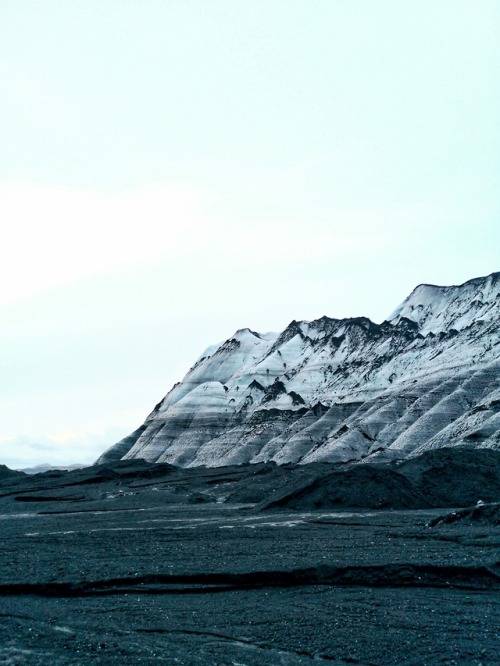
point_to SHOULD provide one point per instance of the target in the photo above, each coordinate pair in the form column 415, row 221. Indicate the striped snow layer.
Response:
column 338, row 390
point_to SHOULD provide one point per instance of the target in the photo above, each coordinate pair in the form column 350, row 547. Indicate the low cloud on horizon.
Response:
column 58, row 449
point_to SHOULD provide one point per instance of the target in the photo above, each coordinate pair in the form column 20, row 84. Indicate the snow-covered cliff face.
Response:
column 338, row 390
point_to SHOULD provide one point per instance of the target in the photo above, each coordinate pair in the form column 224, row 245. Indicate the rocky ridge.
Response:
column 337, row 390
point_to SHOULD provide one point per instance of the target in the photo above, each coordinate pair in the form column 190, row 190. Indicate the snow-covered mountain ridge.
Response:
column 339, row 389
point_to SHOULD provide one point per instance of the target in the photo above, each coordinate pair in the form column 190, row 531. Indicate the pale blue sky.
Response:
column 172, row 171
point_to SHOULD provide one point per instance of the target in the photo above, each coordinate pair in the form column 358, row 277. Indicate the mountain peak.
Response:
column 426, row 378
column 437, row 309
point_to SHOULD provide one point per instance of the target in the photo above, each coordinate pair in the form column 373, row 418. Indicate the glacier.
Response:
column 338, row 390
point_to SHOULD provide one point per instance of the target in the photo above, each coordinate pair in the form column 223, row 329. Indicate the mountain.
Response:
column 47, row 467
column 336, row 390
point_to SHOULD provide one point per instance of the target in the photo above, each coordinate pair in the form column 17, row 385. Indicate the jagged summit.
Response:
column 436, row 308
column 339, row 389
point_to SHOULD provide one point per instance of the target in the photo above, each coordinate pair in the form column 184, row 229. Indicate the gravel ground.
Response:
column 117, row 572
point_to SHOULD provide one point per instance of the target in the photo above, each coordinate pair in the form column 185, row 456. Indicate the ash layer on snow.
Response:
column 337, row 390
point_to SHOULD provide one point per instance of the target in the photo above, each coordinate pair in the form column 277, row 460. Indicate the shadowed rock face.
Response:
column 335, row 390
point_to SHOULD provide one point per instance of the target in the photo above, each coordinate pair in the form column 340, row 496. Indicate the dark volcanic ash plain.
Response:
column 135, row 563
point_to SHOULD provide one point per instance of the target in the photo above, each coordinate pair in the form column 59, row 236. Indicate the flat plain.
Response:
column 150, row 564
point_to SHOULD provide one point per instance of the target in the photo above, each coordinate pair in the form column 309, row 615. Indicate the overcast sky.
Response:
column 171, row 171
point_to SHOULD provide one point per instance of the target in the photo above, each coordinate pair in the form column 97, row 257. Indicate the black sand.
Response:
column 137, row 564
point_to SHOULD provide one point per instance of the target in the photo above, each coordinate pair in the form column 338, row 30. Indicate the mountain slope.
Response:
column 339, row 389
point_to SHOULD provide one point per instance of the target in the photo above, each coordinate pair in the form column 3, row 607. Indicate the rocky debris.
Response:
column 367, row 487
column 459, row 476
column 453, row 477
column 481, row 514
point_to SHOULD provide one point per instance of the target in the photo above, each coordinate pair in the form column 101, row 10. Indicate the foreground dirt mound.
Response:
column 453, row 477
column 368, row 487
column 456, row 476
column 482, row 514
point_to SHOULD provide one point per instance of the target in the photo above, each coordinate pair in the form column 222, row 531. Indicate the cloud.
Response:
column 55, row 236
column 51, row 236
column 62, row 448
